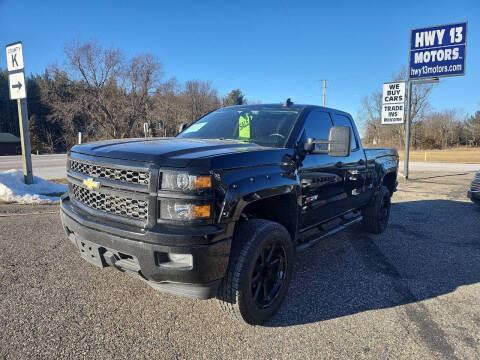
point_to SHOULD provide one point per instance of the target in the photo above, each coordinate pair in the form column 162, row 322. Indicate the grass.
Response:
column 455, row 155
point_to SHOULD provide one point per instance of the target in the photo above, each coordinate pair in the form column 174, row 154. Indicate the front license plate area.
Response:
column 90, row 252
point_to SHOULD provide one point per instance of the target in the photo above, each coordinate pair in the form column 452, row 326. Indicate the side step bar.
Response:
column 312, row 240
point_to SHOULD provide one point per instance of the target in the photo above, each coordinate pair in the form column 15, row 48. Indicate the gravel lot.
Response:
column 412, row 292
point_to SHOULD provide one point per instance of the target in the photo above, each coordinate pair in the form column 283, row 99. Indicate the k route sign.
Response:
column 14, row 56
column 438, row 51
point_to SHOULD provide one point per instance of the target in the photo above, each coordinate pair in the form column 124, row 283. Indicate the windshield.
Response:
column 263, row 126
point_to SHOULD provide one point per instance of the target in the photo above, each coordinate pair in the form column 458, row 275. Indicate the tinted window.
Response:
column 267, row 126
column 318, row 124
column 342, row 120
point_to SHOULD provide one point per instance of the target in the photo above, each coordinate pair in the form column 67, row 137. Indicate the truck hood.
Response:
column 182, row 152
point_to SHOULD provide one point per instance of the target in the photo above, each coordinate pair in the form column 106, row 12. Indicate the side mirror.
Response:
column 182, row 127
column 315, row 146
column 338, row 143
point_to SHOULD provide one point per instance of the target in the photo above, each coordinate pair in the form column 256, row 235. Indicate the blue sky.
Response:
column 271, row 50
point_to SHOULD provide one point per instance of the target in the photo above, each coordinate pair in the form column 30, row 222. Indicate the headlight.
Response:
column 177, row 181
column 172, row 209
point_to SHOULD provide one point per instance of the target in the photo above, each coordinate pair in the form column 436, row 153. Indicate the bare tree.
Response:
column 101, row 93
column 169, row 107
column 200, row 98
column 393, row 135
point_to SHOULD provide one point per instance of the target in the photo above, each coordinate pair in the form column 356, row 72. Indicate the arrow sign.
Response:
column 17, row 85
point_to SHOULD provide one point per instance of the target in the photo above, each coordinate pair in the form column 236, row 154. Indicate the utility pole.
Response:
column 324, row 89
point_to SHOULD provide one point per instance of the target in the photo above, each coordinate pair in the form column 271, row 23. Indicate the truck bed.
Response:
column 376, row 153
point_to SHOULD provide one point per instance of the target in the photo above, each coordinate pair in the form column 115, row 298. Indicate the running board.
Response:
column 312, row 240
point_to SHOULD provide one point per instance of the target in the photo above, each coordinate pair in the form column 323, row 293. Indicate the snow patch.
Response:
column 13, row 189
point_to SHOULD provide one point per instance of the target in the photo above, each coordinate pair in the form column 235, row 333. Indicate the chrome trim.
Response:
column 108, row 216
column 134, row 191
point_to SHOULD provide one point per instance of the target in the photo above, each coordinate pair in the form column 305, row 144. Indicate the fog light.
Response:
column 179, row 260
column 181, row 210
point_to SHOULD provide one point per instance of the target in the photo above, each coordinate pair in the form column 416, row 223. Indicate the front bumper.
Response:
column 141, row 252
column 474, row 196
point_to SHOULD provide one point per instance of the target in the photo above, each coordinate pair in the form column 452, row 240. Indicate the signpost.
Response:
column 17, row 87
column 437, row 51
column 393, row 103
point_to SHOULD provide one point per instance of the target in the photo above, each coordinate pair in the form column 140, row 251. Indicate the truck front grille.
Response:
column 112, row 204
column 104, row 172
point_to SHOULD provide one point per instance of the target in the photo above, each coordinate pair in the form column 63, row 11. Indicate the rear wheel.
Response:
column 259, row 271
column 377, row 214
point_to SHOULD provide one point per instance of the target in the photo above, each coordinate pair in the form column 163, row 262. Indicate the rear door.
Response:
column 354, row 166
column 321, row 179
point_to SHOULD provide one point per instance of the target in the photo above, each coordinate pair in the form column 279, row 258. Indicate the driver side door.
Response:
column 320, row 177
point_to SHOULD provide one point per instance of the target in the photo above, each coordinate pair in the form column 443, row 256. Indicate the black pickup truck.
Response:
column 222, row 209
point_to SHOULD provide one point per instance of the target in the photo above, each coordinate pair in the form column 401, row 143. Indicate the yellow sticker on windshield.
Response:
column 244, row 126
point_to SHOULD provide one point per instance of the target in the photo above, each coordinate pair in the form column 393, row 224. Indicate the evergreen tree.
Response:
column 235, row 97
column 35, row 135
column 473, row 126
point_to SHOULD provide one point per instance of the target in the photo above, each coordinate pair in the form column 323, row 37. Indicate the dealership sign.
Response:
column 393, row 103
column 438, row 51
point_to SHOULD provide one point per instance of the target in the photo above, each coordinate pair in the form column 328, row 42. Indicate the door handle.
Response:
column 339, row 164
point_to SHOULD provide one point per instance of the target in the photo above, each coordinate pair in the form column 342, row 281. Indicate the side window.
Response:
column 342, row 120
column 317, row 124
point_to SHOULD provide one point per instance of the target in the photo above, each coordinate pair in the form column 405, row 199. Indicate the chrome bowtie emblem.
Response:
column 91, row 184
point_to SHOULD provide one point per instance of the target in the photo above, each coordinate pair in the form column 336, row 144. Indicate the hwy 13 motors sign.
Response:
column 393, row 103
column 438, row 51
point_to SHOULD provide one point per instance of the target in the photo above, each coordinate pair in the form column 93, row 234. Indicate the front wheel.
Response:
column 259, row 271
column 377, row 214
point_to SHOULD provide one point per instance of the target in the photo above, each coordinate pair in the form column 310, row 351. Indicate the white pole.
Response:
column 79, row 138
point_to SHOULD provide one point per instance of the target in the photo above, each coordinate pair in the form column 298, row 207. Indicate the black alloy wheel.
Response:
column 268, row 274
column 384, row 212
column 259, row 271
column 377, row 213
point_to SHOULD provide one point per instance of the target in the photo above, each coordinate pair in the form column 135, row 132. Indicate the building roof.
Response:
column 8, row 138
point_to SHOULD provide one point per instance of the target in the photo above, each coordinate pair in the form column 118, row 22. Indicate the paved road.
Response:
column 412, row 292
column 439, row 167
column 45, row 166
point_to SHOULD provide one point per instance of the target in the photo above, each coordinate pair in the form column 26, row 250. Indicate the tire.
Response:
column 242, row 292
column 377, row 213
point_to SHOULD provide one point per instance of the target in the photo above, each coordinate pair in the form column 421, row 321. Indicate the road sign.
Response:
column 14, row 56
column 438, row 51
column 18, row 91
column 17, row 85
column 393, row 103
